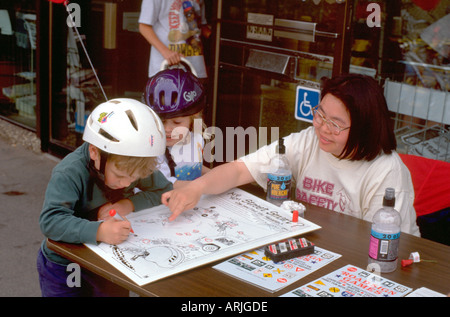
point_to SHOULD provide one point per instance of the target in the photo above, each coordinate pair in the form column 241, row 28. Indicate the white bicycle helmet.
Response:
column 126, row 127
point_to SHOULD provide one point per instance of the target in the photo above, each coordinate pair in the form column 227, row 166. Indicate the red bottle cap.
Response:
column 295, row 216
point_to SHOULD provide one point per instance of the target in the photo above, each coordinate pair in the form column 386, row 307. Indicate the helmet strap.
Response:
column 98, row 176
column 103, row 159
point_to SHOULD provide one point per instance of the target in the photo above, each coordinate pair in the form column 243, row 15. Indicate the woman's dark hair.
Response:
column 371, row 132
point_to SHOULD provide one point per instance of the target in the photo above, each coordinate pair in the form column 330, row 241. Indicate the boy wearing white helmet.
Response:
column 123, row 138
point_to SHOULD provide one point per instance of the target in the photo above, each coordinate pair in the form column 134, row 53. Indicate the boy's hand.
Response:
column 123, row 207
column 113, row 231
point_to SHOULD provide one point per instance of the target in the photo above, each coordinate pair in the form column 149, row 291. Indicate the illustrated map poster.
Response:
column 350, row 281
column 219, row 226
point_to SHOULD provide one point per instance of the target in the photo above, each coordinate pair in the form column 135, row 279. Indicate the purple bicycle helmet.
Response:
column 174, row 93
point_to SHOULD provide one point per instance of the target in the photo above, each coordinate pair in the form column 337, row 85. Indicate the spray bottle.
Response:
column 385, row 234
column 279, row 177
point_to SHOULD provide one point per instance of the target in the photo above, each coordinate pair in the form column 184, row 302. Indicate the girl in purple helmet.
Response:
column 178, row 97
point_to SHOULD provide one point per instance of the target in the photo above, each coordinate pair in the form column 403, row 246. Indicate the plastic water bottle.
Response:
column 279, row 177
column 385, row 234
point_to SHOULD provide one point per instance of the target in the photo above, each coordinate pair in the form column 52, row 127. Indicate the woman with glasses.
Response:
column 343, row 162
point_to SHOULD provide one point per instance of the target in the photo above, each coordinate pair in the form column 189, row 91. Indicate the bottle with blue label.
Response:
column 279, row 177
column 385, row 234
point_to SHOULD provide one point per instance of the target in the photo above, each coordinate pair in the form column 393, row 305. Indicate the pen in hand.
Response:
column 112, row 213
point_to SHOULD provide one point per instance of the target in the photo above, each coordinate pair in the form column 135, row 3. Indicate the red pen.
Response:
column 113, row 212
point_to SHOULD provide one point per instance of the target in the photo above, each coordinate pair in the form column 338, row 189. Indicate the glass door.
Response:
column 265, row 50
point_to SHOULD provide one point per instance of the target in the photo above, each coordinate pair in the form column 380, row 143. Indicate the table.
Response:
column 340, row 233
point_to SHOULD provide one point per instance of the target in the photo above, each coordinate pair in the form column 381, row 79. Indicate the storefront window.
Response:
column 74, row 88
column 410, row 54
column 267, row 50
column 18, row 62
column 101, row 58
column 305, row 29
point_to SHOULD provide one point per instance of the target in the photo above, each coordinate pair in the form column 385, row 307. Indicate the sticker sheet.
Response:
column 257, row 269
column 350, row 281
column 219, row 226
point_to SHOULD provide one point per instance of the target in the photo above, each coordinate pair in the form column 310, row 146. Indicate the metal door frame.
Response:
column 341, row 58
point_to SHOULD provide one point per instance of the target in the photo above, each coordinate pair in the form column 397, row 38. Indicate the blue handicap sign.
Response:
column 306, row 99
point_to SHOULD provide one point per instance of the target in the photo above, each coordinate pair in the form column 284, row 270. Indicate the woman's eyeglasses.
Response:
column 319, row 119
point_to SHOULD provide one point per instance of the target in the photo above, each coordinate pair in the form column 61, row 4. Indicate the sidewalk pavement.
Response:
column 24, row 175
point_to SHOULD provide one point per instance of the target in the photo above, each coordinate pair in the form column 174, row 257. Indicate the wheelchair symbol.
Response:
column 305, row 105
column 306, row 99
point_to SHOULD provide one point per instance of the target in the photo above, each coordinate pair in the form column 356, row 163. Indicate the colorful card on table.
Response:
column 350, row 281
column 256, row 268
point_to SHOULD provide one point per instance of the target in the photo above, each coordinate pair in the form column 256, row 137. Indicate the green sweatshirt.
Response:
column 66, row 208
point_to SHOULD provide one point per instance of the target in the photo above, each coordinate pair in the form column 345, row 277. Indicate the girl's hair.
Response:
column 198, row 116
column 192, row 127
column 371, row 132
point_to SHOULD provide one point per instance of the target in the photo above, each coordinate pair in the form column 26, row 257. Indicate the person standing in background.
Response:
column 173, row 29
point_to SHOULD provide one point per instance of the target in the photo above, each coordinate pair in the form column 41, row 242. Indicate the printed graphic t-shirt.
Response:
column 355, row 188
column 188, row 158
column 177, row 25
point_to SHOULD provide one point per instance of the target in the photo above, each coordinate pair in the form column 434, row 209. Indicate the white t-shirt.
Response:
column 175, row 31
column 355, row 188
column 188, row 157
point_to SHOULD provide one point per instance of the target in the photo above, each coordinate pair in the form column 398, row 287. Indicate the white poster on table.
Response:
column 219, row 226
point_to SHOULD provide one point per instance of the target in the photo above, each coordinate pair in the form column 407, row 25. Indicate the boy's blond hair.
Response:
column 132, row 165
